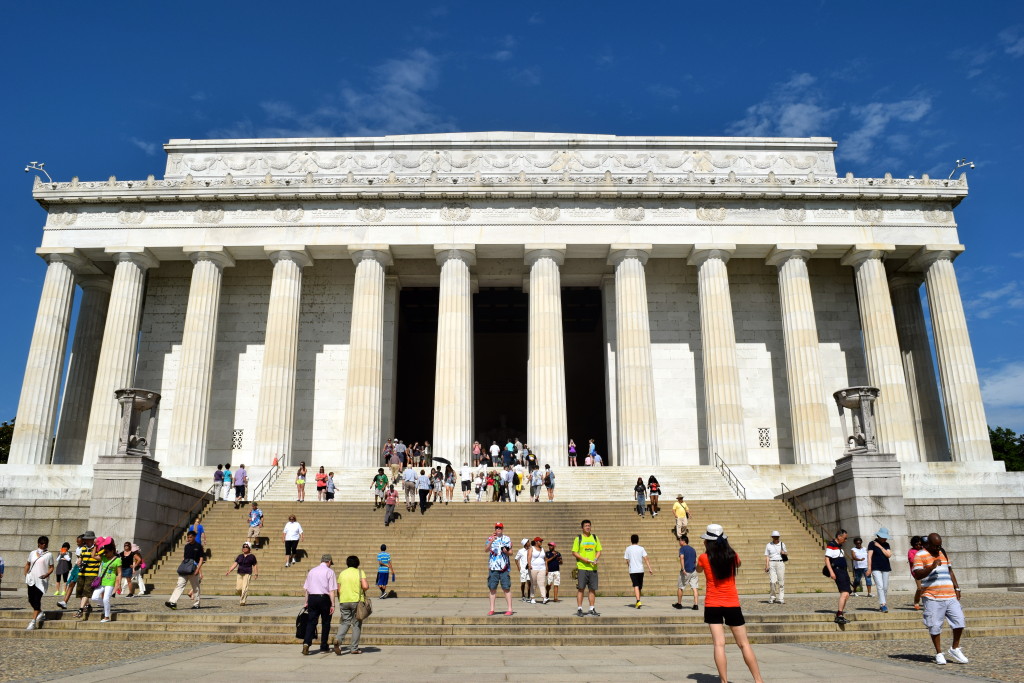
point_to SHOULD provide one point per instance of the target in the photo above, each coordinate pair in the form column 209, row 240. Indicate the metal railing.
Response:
column 806, row 517
column 165, row 544
column 266, row 482
column 731, row 478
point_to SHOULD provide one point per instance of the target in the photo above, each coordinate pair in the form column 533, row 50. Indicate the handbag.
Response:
column 187, row 568
column 301, row 622
column 364, row 608
column 784, row 554
column 98, row 581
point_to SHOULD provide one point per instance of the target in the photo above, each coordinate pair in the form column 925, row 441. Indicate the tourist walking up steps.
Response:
column 549, row 482
column 636, row 558
column 409, row 487
column 385, row 569
column 390, row 500
column 320, row 587
column 190, row 572
column 879, row 566
column 775, row 557
column 586, row 548
column 247, row 571
column 498, row 547
column 687, row 572
column 423, row 487
column 719, row 564
column 940, row 595
column 352, row 587
column 218, row 482
column 291, row 535
column 38, row 568
column 835, row 569
column 466, row 477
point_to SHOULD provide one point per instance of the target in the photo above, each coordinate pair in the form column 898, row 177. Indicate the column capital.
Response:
column 218, row 255
column 140, row 256
column 102, row 283
column 705, row 252
column 535, row 252
column 781, row 253
column 462, row 252
column 74, row 259
column 859, row 253
column 617, row 253
column 909, row 279
column 930, row 253
column 381, row 253
column 288, row 252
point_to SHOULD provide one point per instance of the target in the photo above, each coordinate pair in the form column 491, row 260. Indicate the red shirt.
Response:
column 719, row 593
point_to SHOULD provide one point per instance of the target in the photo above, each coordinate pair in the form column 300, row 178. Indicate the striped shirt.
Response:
column 938, row 585
column 90, row 563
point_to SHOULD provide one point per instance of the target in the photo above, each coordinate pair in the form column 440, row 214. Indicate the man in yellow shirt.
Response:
column 352, row 586
column 587, row 551
column 682, row 512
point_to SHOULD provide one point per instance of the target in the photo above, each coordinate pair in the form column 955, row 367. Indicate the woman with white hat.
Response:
column 719, row 563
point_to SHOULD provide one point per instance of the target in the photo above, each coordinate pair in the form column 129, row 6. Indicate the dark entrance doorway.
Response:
column 501, row 317
column 417, row 359
column 584, row 368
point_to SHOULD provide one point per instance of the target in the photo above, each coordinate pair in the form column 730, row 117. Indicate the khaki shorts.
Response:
column 554, row 578
column 687, row 580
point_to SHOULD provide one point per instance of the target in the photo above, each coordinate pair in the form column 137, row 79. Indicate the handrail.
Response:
column 737, row 486
column 266, row 482
column 806, row 517
column 167, row 542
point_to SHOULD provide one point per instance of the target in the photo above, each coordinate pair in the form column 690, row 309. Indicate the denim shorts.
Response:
column 494, row 577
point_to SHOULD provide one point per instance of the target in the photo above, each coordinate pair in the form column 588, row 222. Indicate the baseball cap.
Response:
column 246, row 545
column 775, row 534
column 551, row 543
column 524, row 541
column 538, row 538
column 499, row 525
column 714, row 532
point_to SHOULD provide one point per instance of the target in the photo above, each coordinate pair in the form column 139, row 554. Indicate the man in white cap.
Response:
column 775, row 558
column 682, row 513
column 524, row 569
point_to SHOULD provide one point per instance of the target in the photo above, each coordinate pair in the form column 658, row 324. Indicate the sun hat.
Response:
column 714, row 532
column 775, row 534
column 326, row 557
column 882, row 533
column 679, row 497
column 89, row 535
column 524, row 541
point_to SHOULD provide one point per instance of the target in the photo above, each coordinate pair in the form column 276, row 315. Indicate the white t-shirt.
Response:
column 635, row 554
column 40, row 562
column 774, row 550
column 521, row 558
column 494, row 450
column 537, row 560
column 467, row 473
column 860, row 557
column 292, row 531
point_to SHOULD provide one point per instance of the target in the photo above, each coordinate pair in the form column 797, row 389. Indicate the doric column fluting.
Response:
column 894, row 419
column 811, row 434
column 453, row 380
column 723, row 404
column 922, row 388
column 361, row 425
column 116, row 368
column 275, row 412
column 81, row 381
column 634, row 367
column 37, row 408
column 546, row 421
column 190, row 414
column 961, row 391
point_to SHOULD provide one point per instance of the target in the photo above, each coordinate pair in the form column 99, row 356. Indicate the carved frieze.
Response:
column 62, row 218
column 371, row 213
column 131, row 217
column 209, row 216
column 792, row 215
column 939, row 216
column 546, row 214
column 629, row 212
column 289, row 213
column 714, row 213
column 455, row 212
column 868, row 212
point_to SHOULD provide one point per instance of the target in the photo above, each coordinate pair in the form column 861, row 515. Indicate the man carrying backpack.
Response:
column 586, row 548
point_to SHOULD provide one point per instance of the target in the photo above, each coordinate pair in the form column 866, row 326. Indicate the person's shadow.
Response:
column 704, row 678
column 925, row 659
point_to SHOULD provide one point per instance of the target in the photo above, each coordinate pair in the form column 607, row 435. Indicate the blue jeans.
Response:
column 858, row 574
column 640, row 504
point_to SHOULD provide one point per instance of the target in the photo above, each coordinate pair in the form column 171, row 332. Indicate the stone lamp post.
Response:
column 138, row 421
column 861, row 403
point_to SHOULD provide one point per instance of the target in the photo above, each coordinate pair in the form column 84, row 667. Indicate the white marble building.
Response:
column 733, row 285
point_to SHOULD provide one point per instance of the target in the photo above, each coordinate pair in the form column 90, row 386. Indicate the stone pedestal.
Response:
column 869, row 496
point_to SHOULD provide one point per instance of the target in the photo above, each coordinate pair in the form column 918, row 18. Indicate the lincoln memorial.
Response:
column 673, row 298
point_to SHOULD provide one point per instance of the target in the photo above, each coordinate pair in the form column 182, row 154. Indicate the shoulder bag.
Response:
column 364, row 608
column 98, row 581
column 187, row 568
column 784, row 554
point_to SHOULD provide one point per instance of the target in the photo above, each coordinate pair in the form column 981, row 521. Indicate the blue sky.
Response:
column 94, row 90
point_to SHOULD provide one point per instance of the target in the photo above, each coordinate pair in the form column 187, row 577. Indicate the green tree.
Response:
column 6, row 432
column 1007, row 446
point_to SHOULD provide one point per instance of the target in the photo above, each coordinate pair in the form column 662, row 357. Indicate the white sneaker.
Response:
column 533, row 602
column 771, row 601
column 31, row 625
column 41, row 618
column 957, row 654
column 939, row 659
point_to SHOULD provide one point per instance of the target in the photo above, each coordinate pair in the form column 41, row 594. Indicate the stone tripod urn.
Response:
column 138, row 421
column 861, row 403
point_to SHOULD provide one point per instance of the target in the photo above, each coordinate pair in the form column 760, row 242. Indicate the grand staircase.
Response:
column 441, row 553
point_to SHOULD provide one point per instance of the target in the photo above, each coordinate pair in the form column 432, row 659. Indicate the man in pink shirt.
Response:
column 321, row 588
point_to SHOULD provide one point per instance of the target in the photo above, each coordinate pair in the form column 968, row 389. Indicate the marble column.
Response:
column 895, row 421
column 918, row 367
column 190, row 414
column 961, row 391
column 723, row 403
column 275, row 412
column 32, row 440
column 361, row 436
column 546, row 422
column 453, row 377
column 85, row 358
column 608, row 323
column 634, row 367
column 116, row 368
column 808, row 396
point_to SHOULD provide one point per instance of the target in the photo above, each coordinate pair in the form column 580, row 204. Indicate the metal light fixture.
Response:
column 960, row 163
column 38, row 166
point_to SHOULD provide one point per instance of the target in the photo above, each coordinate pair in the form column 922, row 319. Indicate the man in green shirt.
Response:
column 586, row 548
column 352, row 587
column 380, row 485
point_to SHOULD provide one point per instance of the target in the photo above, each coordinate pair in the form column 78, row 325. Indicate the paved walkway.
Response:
column 425, row 665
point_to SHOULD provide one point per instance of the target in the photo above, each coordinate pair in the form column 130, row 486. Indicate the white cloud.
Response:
column 1012, row 40
column 393, row 102
column 993, row 302
column 502, row 55
column 1000, row 391
column 792, row 110
column 662, row 90
column 874, row 118
column 150, row 148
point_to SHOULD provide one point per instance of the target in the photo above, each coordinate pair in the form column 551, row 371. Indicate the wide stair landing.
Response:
column 441, row 553
column 572, row 484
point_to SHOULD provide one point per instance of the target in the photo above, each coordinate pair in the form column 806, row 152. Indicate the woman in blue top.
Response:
column 879, row 566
